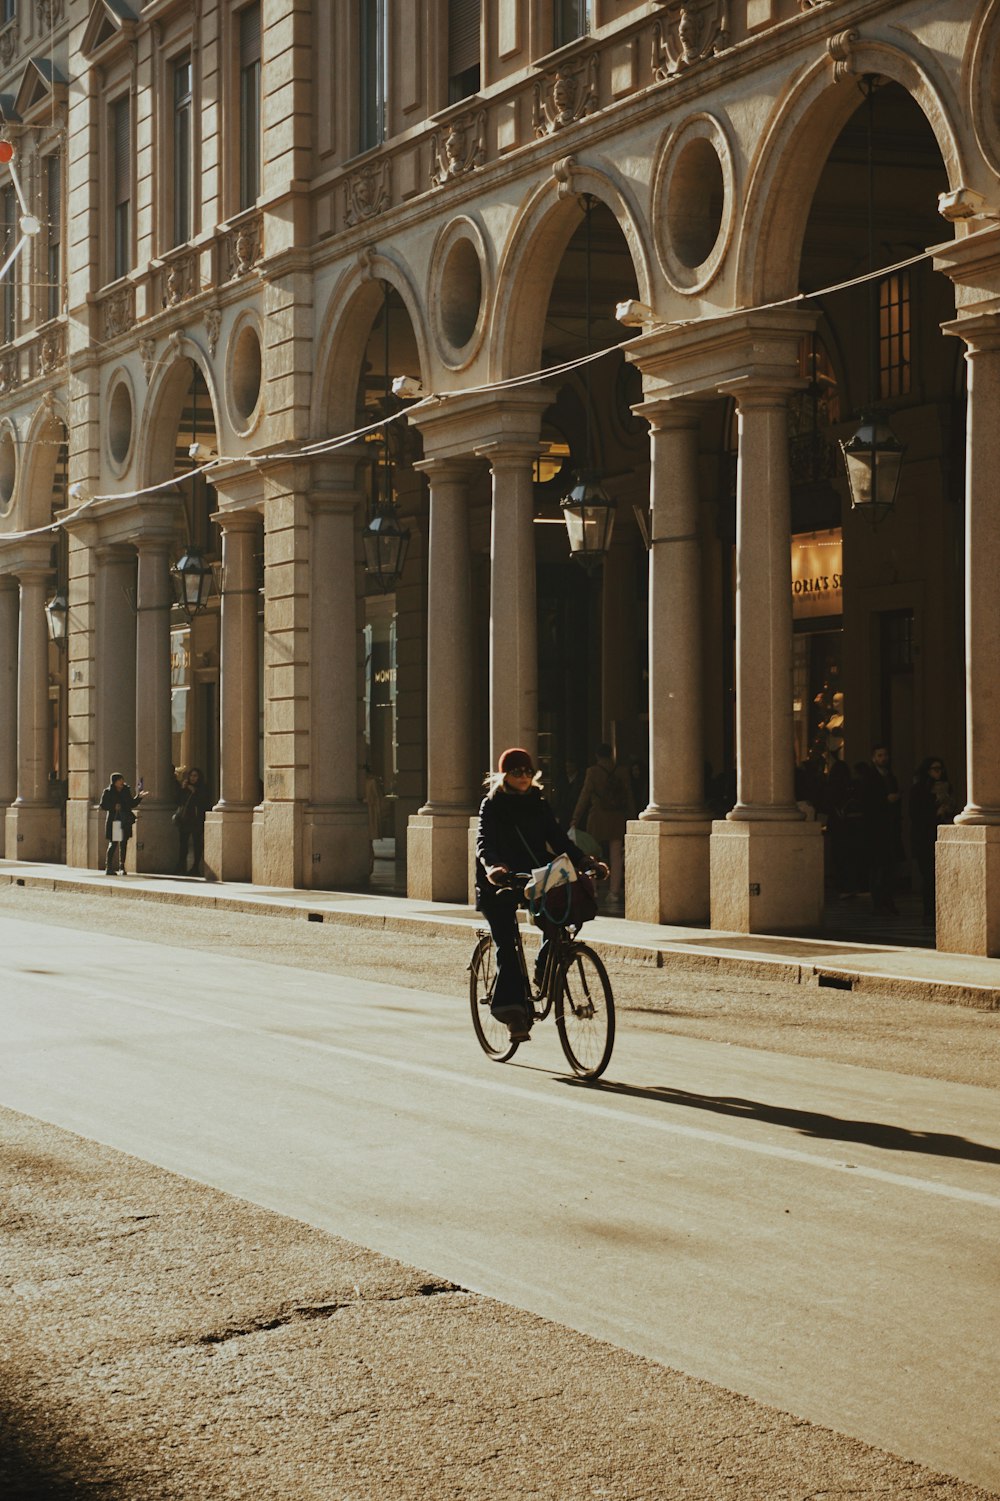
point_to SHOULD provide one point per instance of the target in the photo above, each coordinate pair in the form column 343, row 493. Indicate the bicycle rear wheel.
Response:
column 585, row 1013
column 494, row 1037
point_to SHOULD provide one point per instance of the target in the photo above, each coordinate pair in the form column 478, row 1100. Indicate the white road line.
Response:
column 566, row 1101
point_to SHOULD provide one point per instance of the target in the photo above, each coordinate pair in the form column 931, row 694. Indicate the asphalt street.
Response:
column 817, row 1235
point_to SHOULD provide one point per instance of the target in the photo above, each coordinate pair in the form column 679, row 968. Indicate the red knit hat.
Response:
column 515, row 756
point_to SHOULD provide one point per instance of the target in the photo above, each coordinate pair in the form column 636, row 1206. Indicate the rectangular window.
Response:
column 464, row 25
column 53, row 246
column 373, row 73
column 121, row 170
column 8, row 287
column 9, row 11
column 570, row 19
column 250, row 106
column 183, row 152
column 894, row 334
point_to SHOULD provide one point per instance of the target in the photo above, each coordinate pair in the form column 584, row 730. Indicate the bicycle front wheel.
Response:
column 585, row 1013
column 494, row 1037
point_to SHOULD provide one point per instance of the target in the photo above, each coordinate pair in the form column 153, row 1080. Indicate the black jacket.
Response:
column 518, row 830
column 118, row 804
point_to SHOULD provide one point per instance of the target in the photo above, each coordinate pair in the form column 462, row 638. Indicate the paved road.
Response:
column 816, row 1235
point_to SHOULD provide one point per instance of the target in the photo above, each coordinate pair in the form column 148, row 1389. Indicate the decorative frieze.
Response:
column 566, row 96
column 51, row 349
column 49, row 12
column 459, row 148
column 119, row 312
column 8, row 43
column 366, row 192
column 690, row 32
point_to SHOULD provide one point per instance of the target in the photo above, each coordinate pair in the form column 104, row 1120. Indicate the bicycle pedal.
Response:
column 520, row 1036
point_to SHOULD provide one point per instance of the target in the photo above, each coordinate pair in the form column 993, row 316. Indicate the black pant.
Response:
column 501, row 914
column 191, row 835
column 122, row 847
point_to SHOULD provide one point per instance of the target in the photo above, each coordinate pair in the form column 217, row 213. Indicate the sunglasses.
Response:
column 521, row 770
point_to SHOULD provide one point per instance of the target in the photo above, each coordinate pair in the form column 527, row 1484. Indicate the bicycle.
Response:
column 574, row 983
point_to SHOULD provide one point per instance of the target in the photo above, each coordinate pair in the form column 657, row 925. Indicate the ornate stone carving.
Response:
column 51, row 350
column 366, row 262
column 177, row 280
column 565, row 96
column 147, row 353
column 460, row 149
column 49, row 12
column 841, row 49
column 213, row 322
column 243, row 248
column 119, row 313
column 10, row 371
column 366, row 192
column 8, row 42
column 691, row 31
column 562, row 172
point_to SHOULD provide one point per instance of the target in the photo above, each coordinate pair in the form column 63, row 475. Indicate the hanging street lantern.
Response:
column 193, row 582
column 873, row 458
column 57, row 617
column 589, row 513
column 385, row 543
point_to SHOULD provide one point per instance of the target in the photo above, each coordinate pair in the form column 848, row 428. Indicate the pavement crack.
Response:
column 302, row 1313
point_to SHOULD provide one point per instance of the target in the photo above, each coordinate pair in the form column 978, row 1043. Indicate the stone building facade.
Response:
column 242, row 221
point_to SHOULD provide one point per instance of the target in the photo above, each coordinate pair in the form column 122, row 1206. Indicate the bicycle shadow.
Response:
column 810, row 1123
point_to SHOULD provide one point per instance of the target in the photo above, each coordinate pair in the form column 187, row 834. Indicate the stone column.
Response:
column 513, row 601
column 667, row 848
column 33, row 825
column 437, row 846
column 968, row 851
column 766, row 861
column 8, row 693
column 115, row 662
column 229, row 826
column 155, row 836
column 336, row 845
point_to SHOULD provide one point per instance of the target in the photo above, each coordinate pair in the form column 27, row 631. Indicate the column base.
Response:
column 667, row 871
column 437, row 857
column 767, row 877
column 153, row 847
column 229, row 844
column 84, row 834
column 277, row 843
column 33, row 831
column 336, row 848
column 967, row 878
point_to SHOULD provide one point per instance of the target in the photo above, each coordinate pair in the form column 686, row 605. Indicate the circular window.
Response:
column 120, row 423
column 693, row 203
column 459, row 271
column 8, row 467
column 245, row 373
column 461, row 293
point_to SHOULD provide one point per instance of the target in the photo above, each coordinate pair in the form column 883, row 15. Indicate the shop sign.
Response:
column 817, row 574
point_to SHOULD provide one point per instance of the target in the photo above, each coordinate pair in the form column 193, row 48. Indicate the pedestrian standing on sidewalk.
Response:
column 193, row 802
column 932, row 803
column 119, row 802
column 883, row 828
column 602, row 809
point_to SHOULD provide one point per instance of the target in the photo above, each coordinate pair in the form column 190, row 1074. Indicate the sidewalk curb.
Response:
column 304, row 907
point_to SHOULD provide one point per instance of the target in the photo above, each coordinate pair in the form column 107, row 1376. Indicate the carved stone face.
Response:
column 564, row 93
column 690, row 29
column 454, row 147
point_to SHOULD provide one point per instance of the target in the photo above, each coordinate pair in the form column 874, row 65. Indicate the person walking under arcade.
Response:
column 193, row 802
column 517, row 831
column 605, row 802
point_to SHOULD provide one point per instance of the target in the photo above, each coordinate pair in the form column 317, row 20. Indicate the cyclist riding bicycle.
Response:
column 517, row 831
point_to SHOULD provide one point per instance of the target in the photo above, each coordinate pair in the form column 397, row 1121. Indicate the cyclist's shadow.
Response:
column 810, row 1123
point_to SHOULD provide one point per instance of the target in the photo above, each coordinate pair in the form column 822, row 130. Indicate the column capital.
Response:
column 508, row 453
column 448, row 469
column 980, row 332
column 665, row 413
column 238, row 520
column 114, row 552
column 335, row 499
column 760, row 391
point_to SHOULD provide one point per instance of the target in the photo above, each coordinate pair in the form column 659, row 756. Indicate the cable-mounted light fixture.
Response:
column 588, row 510
column 874, row 455
column 193, row 577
